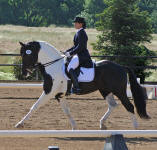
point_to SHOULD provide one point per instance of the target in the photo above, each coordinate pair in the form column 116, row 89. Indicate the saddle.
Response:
column 83, row 74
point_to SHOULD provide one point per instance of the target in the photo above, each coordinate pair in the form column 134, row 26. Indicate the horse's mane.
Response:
column 49, row 49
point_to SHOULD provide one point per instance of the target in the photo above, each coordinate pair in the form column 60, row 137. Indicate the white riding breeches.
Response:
column 74, row 63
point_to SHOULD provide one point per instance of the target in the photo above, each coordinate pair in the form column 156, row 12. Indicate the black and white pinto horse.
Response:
column 110, row 79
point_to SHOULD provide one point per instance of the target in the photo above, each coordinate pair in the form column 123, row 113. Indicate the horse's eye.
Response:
column 28, row 52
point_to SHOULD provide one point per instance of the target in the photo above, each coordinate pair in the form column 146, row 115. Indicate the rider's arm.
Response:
column 82, row 43
column 70, row 49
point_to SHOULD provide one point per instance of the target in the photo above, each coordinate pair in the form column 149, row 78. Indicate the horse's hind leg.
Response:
column 111, row 104
column 129, row 107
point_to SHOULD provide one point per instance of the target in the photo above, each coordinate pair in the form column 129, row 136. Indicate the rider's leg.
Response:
column 74, row 63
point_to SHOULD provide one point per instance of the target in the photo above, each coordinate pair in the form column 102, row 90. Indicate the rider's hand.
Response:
column 67, row 54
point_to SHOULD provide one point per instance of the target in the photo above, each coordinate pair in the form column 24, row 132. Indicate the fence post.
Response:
column 115, row 142
column 53, row 148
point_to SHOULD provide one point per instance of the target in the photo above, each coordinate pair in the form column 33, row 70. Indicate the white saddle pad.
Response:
column 86, row 74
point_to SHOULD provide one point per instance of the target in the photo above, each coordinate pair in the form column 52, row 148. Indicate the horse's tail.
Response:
column 139, row 95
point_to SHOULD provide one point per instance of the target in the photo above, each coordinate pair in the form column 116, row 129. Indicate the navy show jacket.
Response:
column 80, row 48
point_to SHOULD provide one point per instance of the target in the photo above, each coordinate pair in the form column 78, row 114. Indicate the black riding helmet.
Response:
column 80, row 20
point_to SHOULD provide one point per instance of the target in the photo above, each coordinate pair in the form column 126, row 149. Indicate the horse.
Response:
column 110, row 79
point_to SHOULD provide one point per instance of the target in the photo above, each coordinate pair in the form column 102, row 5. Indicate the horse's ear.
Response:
column 22, row 44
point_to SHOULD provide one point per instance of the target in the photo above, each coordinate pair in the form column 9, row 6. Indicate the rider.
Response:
column 79, row 52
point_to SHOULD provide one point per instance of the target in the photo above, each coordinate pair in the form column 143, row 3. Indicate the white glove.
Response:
column 67, row 54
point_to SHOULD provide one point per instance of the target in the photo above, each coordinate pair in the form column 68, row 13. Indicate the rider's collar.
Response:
column 79, row 29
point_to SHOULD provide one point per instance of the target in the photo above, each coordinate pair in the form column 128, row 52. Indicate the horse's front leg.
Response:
column 40, row 102
column 66, row 110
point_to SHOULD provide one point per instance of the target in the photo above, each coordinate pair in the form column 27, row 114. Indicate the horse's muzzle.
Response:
column 24, row 71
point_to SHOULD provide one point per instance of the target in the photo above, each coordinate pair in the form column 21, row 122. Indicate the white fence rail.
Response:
column 151, row 89
column 76, row 133
column 20, row 85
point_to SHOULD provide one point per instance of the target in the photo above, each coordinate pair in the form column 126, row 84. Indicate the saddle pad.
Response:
column 86, row 74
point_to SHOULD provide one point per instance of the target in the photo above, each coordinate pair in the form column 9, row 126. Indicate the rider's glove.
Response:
column 67, row 54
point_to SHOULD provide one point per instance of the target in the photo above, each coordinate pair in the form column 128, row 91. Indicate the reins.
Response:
column 49, row 63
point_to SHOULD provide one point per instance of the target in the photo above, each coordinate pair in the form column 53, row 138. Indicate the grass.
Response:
column 153, row 76
column 59, row 37
column 6, row 76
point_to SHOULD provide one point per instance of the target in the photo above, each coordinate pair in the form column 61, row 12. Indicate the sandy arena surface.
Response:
column 86, row 110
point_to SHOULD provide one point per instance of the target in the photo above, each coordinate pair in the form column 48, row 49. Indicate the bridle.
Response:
column 38, row 65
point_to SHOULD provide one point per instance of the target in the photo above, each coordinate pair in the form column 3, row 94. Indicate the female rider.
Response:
column 79, row 52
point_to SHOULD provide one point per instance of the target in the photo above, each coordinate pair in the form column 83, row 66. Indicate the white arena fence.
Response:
column 151, row 89
column 21, row 85
column 114, row 142
column 77, row 133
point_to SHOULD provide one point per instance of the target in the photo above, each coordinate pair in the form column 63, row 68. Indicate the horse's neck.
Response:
column 47, row 53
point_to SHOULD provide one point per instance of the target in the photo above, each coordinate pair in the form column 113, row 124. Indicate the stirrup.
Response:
column 76, row 90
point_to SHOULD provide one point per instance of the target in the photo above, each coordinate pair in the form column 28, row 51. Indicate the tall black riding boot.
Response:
column 76, row 88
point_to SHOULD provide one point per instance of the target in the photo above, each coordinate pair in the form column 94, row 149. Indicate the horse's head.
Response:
column 29, row 53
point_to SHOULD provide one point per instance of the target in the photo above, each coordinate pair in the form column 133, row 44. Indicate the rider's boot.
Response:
column 76, row 88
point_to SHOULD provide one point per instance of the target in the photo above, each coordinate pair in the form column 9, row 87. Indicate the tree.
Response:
column 91, row 8
column 151, row 7
column 154, row 20
column 39, row 13
column 25, row 12
column 148, row 5
column 123, row 30
column 74, row 7
column 5, row 14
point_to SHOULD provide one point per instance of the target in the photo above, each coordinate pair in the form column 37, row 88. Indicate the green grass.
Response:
column 6, row 76
column 59, row 37
column 153, row 76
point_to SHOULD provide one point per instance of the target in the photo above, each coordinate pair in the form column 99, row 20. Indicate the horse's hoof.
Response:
column 19, row 125
column 74, row 128
column 147, row 117
column 103, row 127
column 136, row 126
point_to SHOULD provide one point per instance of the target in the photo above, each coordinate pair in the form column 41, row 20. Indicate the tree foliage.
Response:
column 123, row 30
column 39, row 13
column 91, row 9
column 151, row 7
column 60, row 12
